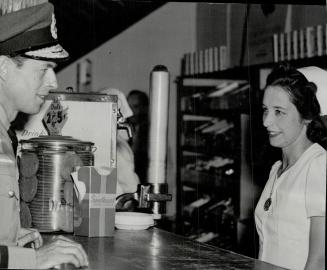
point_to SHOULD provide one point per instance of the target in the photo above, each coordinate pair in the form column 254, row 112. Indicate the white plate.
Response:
column 133, row 221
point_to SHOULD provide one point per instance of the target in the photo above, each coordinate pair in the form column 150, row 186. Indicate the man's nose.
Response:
column 52, row 79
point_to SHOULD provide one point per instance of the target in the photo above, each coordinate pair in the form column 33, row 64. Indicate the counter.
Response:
column 160, row 250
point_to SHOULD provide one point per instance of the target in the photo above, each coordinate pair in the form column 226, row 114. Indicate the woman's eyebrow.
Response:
column 279, row 107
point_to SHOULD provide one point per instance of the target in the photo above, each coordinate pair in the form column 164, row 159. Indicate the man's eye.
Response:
column 278, row 112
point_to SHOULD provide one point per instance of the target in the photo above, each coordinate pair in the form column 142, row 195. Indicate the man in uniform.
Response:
column 29, row 50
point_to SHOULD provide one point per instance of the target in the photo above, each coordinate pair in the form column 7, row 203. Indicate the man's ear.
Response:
column 307, row 122
column 3, row 66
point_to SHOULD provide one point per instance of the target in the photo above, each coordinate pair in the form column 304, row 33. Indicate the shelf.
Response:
column 205, row 105
column 207, row 181
column 210, row 151
column 244, row 72
column 217, row 113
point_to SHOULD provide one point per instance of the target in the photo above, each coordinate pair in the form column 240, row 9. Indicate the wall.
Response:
column 214, row 20
column 211, row 22
column 285, row 17
column 125, row 62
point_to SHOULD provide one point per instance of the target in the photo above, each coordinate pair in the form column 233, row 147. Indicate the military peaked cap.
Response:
column 31, row 32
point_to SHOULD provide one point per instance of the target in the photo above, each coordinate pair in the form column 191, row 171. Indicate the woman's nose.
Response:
column 267, row 119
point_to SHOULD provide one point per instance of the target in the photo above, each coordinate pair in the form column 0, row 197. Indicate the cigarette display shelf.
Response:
column 248, row 72
column 209, row 156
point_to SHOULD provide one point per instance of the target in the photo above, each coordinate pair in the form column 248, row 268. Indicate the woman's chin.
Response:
column 274, row 143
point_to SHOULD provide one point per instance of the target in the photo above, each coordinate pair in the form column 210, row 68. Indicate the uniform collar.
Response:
column 4, row 117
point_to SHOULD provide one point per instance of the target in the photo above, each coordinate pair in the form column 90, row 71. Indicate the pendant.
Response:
column 267, row 204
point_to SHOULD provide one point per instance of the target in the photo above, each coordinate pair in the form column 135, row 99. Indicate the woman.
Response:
column 290, row 214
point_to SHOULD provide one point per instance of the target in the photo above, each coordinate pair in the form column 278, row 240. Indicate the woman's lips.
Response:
column 273, row 133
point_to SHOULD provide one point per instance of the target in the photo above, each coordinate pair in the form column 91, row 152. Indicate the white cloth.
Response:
column 123, row 106
column 298, row 194
column 319, row 77
column 127, row 179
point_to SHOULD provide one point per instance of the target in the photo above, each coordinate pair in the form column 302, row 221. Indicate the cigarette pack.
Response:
column 275, row 46
column 211, row 60
column 201, row 62
column 196, row 62
column 319, row 40
column 206, row 60
column 310, row 41
column 186, row 60
column 295, row 43
column 215, row 59
column 192, row 63
column 302, row 43
column 288, row 46
column 223, row 57
column 94, row 208
column 281, row 47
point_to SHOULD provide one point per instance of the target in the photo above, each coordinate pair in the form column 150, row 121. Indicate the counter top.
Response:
column 161, row 250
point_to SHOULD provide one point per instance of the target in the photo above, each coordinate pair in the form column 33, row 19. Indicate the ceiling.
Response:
column 85, row 24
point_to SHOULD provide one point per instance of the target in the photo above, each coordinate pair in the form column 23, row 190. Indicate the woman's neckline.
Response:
column 280, row 171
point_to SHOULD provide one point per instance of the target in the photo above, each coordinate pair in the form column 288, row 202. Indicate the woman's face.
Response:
column 281, row 118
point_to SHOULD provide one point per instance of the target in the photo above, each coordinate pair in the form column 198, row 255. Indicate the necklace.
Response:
column 267, row 204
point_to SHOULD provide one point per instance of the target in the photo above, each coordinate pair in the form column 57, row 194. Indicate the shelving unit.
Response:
column 211, row 127
column 223, row 155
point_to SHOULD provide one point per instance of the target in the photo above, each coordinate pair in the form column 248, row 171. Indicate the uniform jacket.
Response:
column 18, row 257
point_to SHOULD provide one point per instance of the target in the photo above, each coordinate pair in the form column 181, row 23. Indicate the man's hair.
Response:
column 142, row 97
column 18, row 60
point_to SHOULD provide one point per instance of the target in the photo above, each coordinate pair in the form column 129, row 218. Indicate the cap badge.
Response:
column 53, row 27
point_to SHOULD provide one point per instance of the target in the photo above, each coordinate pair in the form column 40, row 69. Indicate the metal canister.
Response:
column 56, row 157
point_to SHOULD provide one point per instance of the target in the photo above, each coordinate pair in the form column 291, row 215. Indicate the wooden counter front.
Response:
column 156, row 249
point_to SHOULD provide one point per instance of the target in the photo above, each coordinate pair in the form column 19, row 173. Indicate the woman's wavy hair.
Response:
column 303, row 95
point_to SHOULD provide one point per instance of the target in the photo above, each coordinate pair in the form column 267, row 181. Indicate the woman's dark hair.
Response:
column 303, row 95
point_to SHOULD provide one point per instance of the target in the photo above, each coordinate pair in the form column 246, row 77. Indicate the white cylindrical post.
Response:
column 159, row 97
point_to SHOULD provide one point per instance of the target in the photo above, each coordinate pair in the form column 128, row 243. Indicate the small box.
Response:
column 302, row 42
column 201, row 62
column 211, row 66
column 275, row 47
column 223, row 57
column 216, row 59
column 288, row 45
column 310, row 42
column 319, row 40
column 94, row 213
column 282, row 47
column 295, row 43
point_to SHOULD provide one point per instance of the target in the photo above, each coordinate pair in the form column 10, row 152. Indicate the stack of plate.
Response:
column 133, row 221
